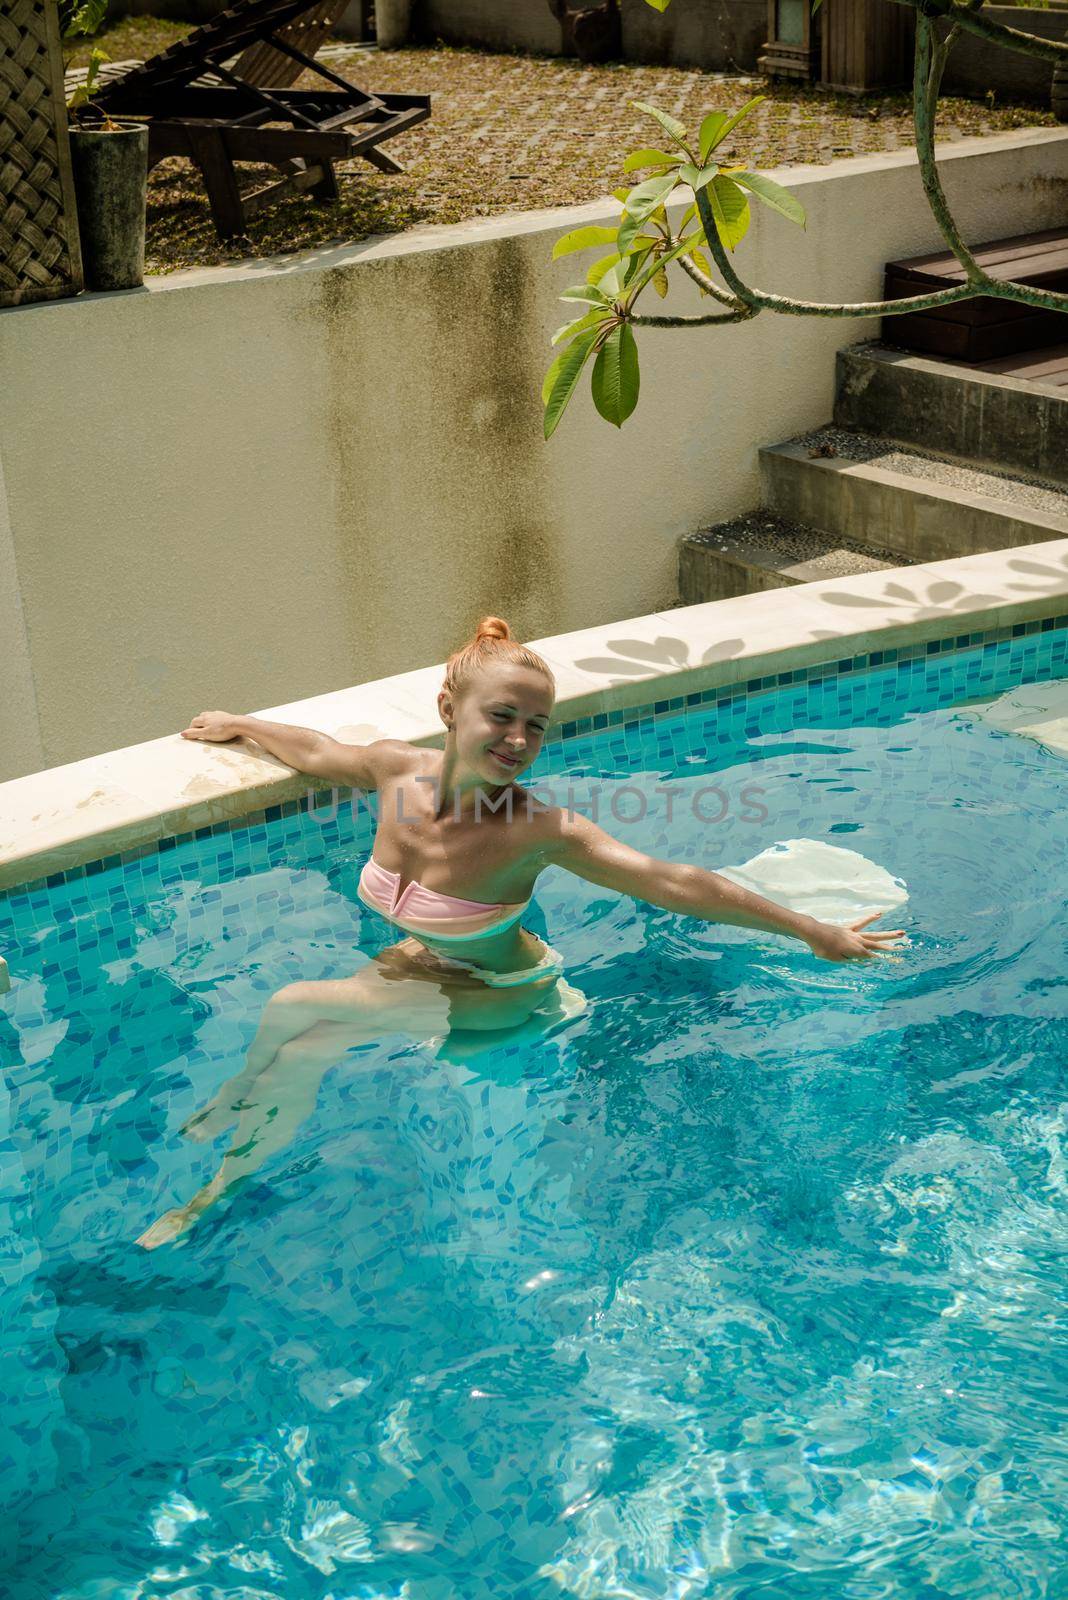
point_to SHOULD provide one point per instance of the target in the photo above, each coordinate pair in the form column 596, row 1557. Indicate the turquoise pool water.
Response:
column 750, row 1281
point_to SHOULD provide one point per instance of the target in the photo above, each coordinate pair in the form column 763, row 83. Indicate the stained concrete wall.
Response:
column 301, row 474
column 977, row 66
column 718, row 35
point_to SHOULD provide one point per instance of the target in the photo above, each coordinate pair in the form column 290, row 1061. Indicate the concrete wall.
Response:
column 714, row 34
column 518, row 25
column 21, row 749
column 719, row 35
column 978, row 65
column 288, row 476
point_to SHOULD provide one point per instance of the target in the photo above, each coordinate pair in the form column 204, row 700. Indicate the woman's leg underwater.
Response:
column 306, row 1028
column 292, row 1011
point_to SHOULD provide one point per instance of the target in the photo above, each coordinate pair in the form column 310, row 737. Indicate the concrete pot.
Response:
column 110, row 182
column 393, row 22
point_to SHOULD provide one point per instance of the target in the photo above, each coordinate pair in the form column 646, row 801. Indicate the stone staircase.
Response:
column 924, row 460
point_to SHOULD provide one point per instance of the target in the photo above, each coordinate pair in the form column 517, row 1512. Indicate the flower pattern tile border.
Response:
column 906, row 658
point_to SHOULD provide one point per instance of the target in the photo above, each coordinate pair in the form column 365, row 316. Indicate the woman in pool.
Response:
column 456, row 856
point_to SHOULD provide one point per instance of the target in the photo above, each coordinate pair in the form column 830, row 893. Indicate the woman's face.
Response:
column 499, row 720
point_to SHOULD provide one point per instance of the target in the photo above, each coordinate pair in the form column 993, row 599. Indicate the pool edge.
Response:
column 123, row 803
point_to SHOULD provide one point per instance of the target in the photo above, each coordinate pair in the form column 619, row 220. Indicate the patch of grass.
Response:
column 129, row 39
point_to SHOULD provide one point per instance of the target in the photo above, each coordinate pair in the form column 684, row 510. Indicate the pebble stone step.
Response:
column 1016, row 420
column 764, row 551
column 920, row 506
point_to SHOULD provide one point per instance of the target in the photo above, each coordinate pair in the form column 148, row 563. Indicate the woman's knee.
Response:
column 290, row 998
column 322, row 1042
column 309, row 1003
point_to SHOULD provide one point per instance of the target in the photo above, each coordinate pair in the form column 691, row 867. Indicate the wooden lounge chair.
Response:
column 200, row 104
column 262, row 64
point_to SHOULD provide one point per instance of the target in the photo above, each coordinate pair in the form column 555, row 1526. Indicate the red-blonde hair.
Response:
column 492, row 642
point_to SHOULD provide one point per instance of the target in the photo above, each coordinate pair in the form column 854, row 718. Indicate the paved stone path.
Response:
column 511, row 133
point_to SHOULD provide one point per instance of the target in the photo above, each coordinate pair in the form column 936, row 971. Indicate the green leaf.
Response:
column 662, row 5
column 696, row 177
column 702, row 261
column 600, row 267
column 671, row 126
column 629, row 229
column 711, row 131
column 612, row 280
column 587, row 292
column 562, row 376
column 582, row 239
column 730, row 209
column 644, row 198
column 87, row 18
column 730, row 125
column 660, row 283
column 615, row 379
column 773, row 195
column 83, row 94
column 619, row 277
column 648, row 158
column 590, row 320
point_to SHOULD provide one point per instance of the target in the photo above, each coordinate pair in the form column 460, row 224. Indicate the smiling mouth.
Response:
column 506, row 761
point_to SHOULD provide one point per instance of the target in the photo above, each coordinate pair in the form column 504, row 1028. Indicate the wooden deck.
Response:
column 983, row 329
column 1048, row 367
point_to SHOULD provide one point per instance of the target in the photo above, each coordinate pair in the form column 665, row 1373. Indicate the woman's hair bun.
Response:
column 493, row 643
column 493, row 628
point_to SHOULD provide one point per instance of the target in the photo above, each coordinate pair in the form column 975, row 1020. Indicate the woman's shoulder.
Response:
column 396, row 758
column 546, row 822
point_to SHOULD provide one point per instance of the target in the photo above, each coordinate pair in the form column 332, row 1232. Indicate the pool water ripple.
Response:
column 749, row 1281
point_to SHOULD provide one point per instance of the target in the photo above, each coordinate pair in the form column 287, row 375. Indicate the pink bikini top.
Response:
column 428, row 914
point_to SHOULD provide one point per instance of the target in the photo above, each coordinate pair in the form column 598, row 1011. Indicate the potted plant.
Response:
column 110, row 164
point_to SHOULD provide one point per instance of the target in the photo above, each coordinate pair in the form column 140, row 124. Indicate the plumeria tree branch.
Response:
column 642, row 244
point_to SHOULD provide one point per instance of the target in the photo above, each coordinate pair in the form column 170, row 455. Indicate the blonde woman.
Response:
column 456, row 856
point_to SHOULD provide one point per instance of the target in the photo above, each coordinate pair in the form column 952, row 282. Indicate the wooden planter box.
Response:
column 851, row 46
column 866, row 44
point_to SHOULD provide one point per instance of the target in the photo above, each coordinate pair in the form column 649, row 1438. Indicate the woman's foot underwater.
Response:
column 173, row 1223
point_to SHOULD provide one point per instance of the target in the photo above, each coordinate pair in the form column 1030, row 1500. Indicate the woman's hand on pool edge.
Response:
column 216, row 726
column 832, row 942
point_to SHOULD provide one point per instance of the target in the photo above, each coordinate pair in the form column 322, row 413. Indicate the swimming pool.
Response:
column 748, row 1280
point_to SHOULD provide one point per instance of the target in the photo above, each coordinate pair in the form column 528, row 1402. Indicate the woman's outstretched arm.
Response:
column 361, row 765
column 585, row 849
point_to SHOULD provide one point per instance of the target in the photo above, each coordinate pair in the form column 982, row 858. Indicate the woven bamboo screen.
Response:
column 39, row 254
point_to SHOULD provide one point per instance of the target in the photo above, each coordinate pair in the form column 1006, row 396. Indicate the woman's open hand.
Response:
column 833, row 943
column 216, row 726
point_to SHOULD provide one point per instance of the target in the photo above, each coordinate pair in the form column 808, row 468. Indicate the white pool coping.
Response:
column 67, row 816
